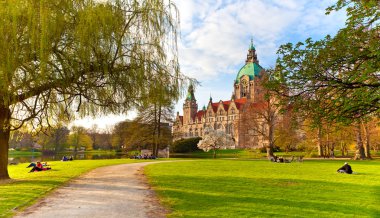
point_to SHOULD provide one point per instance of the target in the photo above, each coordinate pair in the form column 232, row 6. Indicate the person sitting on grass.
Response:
column 39, row 167
column 273, row 158
column 346, row 168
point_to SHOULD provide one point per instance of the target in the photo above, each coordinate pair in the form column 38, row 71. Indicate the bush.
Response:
column 185, row 145
column 275, row 149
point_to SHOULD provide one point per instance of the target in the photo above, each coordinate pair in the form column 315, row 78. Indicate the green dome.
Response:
column 251, row 70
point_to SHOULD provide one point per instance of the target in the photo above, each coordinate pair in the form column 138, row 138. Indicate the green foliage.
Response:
column 54, row 139
column 79, row 138
column 185, row 145
column 93, row 57
column 336, row 78
column 26, row 187
column 230, row 188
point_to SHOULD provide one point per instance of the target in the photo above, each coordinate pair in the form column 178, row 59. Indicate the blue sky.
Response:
column 215, row 35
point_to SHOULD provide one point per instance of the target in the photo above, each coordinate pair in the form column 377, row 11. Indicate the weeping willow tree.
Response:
column 92, row 57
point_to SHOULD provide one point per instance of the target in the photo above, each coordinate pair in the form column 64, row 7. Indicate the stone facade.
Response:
column 223, row 115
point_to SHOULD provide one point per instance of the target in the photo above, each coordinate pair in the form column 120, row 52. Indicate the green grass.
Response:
column 229, row 153
column 25, row 188
column 23, row 153
column 256, row 154
column 238, row 188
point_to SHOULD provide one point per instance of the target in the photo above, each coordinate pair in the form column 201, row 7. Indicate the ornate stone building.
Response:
column 223, row 115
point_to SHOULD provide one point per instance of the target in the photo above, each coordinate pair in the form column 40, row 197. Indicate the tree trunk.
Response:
column 155, row 131
column 4, row 141
column 270, row 139
column 320, row 146
column 158, row 129
column 359, row 154
column 367, row 147
column 214, row 153
column 269, row 152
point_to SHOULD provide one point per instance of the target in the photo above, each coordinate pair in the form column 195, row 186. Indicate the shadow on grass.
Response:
column 247, row 197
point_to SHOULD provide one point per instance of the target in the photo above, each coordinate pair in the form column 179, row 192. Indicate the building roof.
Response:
column 226, row 104
column 215, row 106
column 240, row 102
column 249, row 69
column 199, row 115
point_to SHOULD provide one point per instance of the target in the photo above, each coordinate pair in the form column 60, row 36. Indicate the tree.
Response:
column 336, row 78
column 215, row 140
column 154, row 115
column 185, row 145
column 342, row 70
column 94, row 57
column 79, row 138
column 54, row 139
column 259, row 119
column 93, row 133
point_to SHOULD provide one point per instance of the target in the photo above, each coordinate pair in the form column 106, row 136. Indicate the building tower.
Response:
column 190, row 107
column 246, row 84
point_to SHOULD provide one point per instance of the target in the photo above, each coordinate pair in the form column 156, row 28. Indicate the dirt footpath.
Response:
column 113, row 191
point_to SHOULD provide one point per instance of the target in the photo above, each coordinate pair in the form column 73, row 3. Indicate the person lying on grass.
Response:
column 346, row 168
column 38, row 167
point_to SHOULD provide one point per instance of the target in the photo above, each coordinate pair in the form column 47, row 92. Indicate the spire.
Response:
column 252, row 47
column 252, row 56
column 190, row 94
column 204, row 107
column 210, row 98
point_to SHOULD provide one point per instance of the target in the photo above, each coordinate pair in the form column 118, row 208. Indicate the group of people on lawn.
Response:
column 36, row 167
column 145, row 156
column 346, row 168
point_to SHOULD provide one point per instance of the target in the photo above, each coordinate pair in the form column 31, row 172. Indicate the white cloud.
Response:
column 216, row 35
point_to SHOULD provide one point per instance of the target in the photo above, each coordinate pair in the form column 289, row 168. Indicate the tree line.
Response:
column 325, row 94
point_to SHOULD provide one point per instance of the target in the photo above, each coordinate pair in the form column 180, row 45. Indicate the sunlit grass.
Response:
column 236, row 188
column 23, row 153
column 25, row 188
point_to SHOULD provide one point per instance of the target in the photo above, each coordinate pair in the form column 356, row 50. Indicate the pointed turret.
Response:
column 252, row 56
column 190, row 94
column 190, row 107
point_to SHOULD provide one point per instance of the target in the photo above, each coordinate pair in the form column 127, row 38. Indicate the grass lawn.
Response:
column 254, row 154
column 258, row 188
column 23, row 153
column 25, row 188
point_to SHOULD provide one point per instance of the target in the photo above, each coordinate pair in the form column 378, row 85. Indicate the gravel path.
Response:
column 113, row 191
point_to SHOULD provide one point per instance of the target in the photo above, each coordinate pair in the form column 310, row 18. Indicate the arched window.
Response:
column 244, row 89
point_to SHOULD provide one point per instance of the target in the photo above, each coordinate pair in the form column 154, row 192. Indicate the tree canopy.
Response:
column 336, row 77
column 93, row 57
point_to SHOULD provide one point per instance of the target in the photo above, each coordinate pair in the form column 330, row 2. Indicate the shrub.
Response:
column 185, row 145
column 275, row 149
